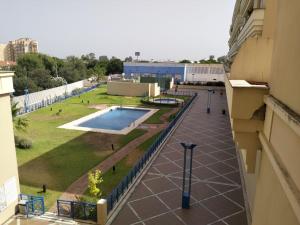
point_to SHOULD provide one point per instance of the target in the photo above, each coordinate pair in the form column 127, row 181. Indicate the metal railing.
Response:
column 180, row 93
column 77, row 210
column 50, row 101
column 117, row 192
column 34, row 205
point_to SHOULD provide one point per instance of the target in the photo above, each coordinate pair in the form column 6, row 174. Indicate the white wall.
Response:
column 204, row 72
column 48, row 94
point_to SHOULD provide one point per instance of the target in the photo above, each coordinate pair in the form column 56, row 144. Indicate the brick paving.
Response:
column 46, row 219
column 217, row 196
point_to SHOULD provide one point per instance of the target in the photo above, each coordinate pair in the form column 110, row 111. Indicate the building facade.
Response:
column 17, row 48
column 204, row 72
column 179, row 71
column 3, row 49
column 264, row 102
column 9, row 179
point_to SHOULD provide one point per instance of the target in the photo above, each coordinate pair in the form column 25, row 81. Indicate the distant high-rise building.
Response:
column 17, row 48
column 3, row 50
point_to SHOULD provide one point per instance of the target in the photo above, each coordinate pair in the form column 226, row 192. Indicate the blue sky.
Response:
column 159, row 29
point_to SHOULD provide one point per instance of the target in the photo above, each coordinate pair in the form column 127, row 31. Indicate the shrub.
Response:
column 17, row 140
column 77, row 91
column 24, row 143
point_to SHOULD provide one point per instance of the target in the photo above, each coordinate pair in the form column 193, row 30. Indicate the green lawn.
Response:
column 59, row 156
column 156, row 117
column 112, row 179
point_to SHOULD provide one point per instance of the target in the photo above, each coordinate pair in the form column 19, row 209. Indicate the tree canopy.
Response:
column 185, row 61
column 36, row 72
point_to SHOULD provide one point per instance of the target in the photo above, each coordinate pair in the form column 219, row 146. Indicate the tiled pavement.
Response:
column 217, row 196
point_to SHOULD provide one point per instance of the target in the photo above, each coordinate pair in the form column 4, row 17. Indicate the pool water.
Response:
column 165, row 100
column 114, row 119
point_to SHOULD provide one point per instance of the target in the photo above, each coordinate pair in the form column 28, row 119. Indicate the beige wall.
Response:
column 274, row 187
column 285, row 78
column 253, row 61
column 270, row 19
column 8, row 161
column 132, row 89
column 3, row 52
column 271, row 204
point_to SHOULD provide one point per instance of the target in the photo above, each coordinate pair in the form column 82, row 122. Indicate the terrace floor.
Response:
column 217, row 195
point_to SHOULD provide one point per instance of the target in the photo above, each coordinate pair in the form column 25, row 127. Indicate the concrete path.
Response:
column 217, row 196
column 78, row 187
column 46, row 219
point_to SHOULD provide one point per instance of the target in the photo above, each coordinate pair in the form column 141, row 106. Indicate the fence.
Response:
column 34, row 205
column 180, row 93
column 77, row 210
column 117, row 192
column 50, row 101
column 36, row 97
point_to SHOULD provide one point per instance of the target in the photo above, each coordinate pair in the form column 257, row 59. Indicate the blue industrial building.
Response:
column 179, row 71
column 175, row 70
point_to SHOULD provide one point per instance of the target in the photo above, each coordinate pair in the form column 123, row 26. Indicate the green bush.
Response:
column 17, row 140
column 77, row 91
column 23, row 143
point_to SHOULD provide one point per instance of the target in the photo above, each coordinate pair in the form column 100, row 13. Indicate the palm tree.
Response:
column 20, row 123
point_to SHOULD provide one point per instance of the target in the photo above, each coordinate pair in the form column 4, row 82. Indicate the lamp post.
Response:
column 26, row 100
column 187, row 174
column 208, row 100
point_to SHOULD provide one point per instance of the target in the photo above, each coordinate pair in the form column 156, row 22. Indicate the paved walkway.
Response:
column 78, row 187
column 217, row 196
column 46, row 219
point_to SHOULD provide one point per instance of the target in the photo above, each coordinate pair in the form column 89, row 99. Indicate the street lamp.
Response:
column 187, row 174
column 208, row 100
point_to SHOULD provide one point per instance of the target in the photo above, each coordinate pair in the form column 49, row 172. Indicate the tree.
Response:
column 73, row 69
column 222, row 59
column 30, row 61
column 49, row 63
column 42, row 78
column 103, row 58
column 128, row 59
column 21, row 83
column 211, row 60
column 20, row 123
column 185, row 61
column 89, row 60
column 114, row 66
column 95, row 179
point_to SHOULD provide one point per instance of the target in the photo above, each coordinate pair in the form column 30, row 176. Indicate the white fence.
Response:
column 45, row 95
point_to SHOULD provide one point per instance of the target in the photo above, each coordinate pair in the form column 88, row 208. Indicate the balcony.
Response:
column 247, row 113
column 6, row 82
column 252, row 28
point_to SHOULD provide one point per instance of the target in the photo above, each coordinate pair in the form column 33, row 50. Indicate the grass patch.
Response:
column 59, row 156
column 156, row 117
column 146, row 144
column 111, row 179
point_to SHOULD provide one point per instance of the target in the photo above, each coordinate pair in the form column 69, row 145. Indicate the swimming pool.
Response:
column 170, row 101
column 115, row 120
